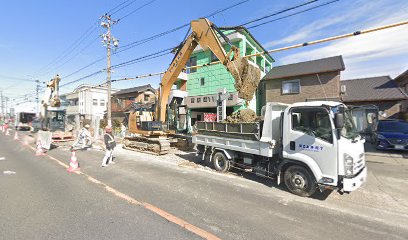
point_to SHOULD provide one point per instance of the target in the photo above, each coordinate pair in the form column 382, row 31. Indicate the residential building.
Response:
column 204, row 83
column 304, row 81
column 382, row 91
column 402, row 81
column 87, row 104
column 122, row 100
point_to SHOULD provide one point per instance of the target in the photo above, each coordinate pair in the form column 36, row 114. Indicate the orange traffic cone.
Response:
column 15, row 136
column 39, row 151
column 73, row 163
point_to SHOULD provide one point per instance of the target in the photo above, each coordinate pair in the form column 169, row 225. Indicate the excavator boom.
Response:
column 204, row 32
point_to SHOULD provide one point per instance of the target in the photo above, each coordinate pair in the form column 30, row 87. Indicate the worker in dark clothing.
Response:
column 110, row 144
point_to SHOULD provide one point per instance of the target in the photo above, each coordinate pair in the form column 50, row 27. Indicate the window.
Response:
column 312, row 121
column 192, row 100
column 102, row 102
column 202, row 82
column 146, row 98
column 291, row 87
column 204, row 99
column 213, row 57
column 198, row 100
column 95, row 102
column 190, row 63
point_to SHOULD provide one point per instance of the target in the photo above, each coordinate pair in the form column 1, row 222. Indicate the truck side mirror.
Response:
column 339, row 120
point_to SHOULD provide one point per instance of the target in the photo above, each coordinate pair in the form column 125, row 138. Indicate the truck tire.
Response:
column 221, row 162
column 300, row 181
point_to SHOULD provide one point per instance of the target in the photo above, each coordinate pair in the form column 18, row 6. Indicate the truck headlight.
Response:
column 348, row 164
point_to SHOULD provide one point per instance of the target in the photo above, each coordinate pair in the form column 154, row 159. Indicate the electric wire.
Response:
column 145, row 40
column 279, row 12
column 137, row 9
column 293, row 14
column 328, row 39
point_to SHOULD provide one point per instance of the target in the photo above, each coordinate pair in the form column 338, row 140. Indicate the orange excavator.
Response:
column 147, row 123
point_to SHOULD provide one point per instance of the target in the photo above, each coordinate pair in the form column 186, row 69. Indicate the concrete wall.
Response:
column 310, row 88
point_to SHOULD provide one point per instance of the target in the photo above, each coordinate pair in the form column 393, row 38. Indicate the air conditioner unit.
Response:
column 343, row 89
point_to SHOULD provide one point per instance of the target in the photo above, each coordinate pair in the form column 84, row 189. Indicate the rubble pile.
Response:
column 243, row 115
column 246, row 76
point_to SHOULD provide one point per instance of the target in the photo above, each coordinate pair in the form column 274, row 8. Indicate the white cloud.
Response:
column 361, row 53
column 314, row 29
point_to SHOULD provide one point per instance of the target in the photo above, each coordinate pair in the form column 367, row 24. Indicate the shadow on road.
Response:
column 370, row 149
column 269, row 182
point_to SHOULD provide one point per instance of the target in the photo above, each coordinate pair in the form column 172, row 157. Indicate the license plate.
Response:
column 399, row 147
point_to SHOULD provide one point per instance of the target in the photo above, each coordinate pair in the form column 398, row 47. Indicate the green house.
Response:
column 203, row 84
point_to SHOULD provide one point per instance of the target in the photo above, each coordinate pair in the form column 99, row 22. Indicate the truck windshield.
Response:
column 349, row 130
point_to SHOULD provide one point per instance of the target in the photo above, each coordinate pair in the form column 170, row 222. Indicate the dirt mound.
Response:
column 246, row 76
column 243, row 115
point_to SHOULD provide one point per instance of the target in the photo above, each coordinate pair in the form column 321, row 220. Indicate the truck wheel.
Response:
column 300, row 181
column 221, row 163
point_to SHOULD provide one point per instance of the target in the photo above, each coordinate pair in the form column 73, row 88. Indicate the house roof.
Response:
column 329, row 64
column 244, row 29
column 372, row 89
column 136, row 90
column 403, row 76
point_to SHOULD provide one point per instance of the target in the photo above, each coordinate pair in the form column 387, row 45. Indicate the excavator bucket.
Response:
column 247, row 76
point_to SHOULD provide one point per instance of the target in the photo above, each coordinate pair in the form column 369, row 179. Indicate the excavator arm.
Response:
column 205, row 33
column 50, row 98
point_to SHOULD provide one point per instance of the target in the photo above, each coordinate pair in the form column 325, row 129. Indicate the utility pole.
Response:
column 2, row 103
column 37, row 98
column 108, row 40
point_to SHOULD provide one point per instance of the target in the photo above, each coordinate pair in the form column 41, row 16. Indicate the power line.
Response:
column 137, row 9
column 127, row 5
column 328, row 39
column 148, row 39
column 145, row 40
column 293, row 14
column 114, row 8
column 279, row 12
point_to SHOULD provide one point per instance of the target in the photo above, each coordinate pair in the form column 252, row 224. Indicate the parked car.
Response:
column 392, row 134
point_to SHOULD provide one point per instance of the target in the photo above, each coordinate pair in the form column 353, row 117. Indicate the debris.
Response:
column 247, row 77
column 243, row 115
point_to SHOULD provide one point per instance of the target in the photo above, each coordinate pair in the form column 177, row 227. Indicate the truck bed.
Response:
column 241, row 137
column 244, row 131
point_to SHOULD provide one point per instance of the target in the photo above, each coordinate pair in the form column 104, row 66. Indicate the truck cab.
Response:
column 322, row 136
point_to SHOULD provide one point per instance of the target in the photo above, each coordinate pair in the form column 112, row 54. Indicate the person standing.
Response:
column 123, row 131
column 110, row 144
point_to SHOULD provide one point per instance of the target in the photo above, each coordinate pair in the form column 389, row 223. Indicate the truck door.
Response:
column 308, row 136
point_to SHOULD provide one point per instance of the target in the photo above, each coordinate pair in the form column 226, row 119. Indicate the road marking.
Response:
column 2, row 158
column 8, row 172
column 171, row 218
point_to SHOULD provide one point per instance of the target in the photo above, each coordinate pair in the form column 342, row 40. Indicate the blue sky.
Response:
column 37, row 34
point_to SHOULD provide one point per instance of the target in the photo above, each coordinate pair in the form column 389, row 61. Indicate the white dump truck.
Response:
column 307, row 145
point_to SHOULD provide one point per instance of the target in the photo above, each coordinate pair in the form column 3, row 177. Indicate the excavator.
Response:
column 147, row 125
column 52, row 117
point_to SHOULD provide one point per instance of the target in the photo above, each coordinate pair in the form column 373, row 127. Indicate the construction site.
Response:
column 227, row 125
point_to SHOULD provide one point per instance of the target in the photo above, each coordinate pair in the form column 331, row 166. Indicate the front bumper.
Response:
column 386, row 145
column 351, row 184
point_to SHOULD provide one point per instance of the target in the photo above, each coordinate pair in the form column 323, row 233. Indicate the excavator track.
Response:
column 157, row 146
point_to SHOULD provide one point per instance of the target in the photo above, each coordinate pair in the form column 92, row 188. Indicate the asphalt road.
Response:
column 44, row 201
column 41, row 200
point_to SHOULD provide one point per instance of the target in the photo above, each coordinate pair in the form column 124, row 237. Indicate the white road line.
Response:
column 2, row 158
column 8, row 172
